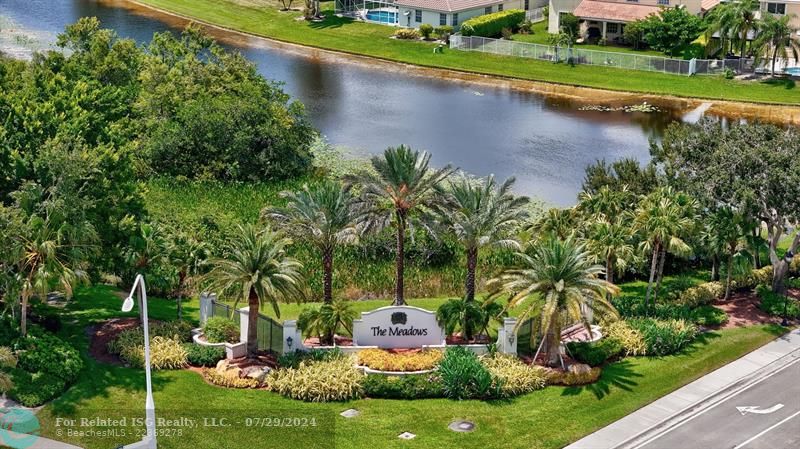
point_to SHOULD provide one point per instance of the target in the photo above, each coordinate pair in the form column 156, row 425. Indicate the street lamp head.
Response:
column 788, row 256
column 127, row 306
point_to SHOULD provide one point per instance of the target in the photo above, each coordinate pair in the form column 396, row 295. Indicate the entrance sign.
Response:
column 397, row 327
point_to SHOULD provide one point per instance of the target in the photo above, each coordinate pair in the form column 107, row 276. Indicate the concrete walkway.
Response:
column 22, row 441
column 691, row 399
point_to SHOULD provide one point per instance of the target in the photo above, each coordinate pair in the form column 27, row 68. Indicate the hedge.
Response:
column 491, row 25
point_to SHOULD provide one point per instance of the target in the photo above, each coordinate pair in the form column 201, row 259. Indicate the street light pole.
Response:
column 788, row 259
column 149, row 440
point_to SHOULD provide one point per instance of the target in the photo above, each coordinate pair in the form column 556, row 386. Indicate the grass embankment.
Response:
column 264, row 19
column 546, row 419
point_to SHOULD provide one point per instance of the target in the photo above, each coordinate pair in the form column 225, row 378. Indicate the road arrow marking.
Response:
column 755, row 409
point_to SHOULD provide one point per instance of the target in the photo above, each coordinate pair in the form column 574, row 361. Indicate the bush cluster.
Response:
column 34, row 389
column 382, row 360
column 703, row 294
column 570, row 378
column 322, row 381
column 463, row 376
column 220, row 330
column 406, row 33
column 294, row 358
column 229, row 380
column 491, row 25
column 664, row 337
column 165, row 353
column 42, row 352
column 180, row 331
column 708, row 316
column 595, row 353
column 513, row 376
column 422, row 386
column 773, row 303
column 199, row 355
column 756, row 278
column 631, row 340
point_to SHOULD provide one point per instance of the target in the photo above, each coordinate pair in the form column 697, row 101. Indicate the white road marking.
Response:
column 756, row 409
column 750, row 440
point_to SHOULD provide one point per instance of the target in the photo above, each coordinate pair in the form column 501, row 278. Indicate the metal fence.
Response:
column 270, row 332
column 535, row 15
column 620, row 60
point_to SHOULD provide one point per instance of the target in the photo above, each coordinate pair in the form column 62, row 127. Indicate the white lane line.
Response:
column 750, row 440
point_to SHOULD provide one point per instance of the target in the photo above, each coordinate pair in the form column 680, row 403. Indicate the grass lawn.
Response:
column 540, row 36
column 549, row 418
column 264, row 19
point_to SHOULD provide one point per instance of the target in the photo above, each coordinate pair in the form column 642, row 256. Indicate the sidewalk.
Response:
column 687, row 398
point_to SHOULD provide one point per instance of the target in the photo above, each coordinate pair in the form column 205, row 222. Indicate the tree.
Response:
column 189, row 257
column 147, row 253
column 325, row 320
column 558, row 279
column 671, row 29
column 634, row 33
column 398, row 191
column 323, row 215
column 287, row 4
column 256, row 269
column 728, row 228
column 744, row 21
column 624, row 173
column 610, row 242
column 480, row 215
column 776, row 39
column 559, row 222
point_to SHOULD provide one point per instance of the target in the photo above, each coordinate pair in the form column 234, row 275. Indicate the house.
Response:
column 607, row 18
column 781, row 8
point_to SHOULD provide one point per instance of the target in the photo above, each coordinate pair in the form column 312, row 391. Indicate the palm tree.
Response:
column 559, row 222
column 256, row 268
column 559, row 281
column 662, row 218
column 744, row 20
column 606, row 203
column 610, row 242
column 402, row 185
column 189, row 257
column 722, row 20
column 730, row 228
column 483, row 214
column 323, row 215
column 325, row 320
column 776, row 39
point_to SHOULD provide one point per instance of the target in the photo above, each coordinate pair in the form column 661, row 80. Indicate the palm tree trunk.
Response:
column 660, row 277
column 756, row 249
column 653, row 266
column 179, row 303
column 774, row 58
column 472, row 264
column 399, row 291
column 252, row 324
column 23, row 316
column 327, row 276
column 554, row 344
column 715, row 267
column 609, row 273
column 730, row 275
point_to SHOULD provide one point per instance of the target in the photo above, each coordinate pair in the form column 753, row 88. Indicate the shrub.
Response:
column 425, row 386
column 443, row 31
column 221, row 330
column 33, row 390
column 571, row 378
column 45, row 316
column 631, row 340
column 703, row 294
column 594, row 353
column 46, row 353
column 294, row 358
column 464, row 376
column 525, row 27
column 165, row 353
column 382, row 360
column 199, row 355
column 406, row 33
column 426, row 30
column 756, row 278
column 175, row 330
column 506, row 33
column 663, row 337
column 513, row 376
column 708, row 316
column 229, row 380
column 8, row 330
column 794, row 267
column 773, row 303
column 324, row 381
column 491, row 25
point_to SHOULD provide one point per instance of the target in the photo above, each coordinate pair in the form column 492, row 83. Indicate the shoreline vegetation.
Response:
column 263, row 19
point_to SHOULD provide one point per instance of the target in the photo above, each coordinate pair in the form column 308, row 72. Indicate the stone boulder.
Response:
column 256, row 372
column 580, row 368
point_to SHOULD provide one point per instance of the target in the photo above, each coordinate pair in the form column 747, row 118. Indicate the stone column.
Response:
column 604, row 29
column 507, row 337
column 206, row 306
column 244, row 313
column 290, row 330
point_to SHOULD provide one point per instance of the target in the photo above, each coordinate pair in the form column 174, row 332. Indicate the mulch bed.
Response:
column 742, row 309
column 101, row 334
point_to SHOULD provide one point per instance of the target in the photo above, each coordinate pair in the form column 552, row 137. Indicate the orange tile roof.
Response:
column 706, row 5
column 447, row 5
column 618, row 12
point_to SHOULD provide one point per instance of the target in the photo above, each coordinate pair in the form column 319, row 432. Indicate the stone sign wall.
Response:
column 397, row 327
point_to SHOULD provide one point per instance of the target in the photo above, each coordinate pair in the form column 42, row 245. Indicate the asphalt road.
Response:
column 723, row 426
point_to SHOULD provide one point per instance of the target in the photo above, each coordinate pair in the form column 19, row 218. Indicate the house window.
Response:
column 500, row 7
column 455, row 19
column 487, row 10
column 418, row 15
column 663, row 2
column 527, row 5
column 442, row 19
column 633, row 1
column 612, row 28
column 776, row 8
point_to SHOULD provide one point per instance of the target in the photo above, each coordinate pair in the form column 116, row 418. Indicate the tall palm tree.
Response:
column 663, row 218
column 189, row 257
column 323, row 215
column 606, row 203
column 730, row 227
column 256, row 269
column 744, row 21
column 401, row 187
column 722, row 20
column 559, row 222
column 776, row 39
column 610, row 242
column 483, row 214
column 557, row 280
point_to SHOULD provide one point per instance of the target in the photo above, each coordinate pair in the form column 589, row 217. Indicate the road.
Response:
column 772, row 423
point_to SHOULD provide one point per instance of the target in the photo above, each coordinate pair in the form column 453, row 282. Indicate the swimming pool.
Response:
column 382, row 16
column 794, row 71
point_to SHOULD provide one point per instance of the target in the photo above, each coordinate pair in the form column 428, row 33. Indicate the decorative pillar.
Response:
column 292, row 337
column 205, row 307
column 604, row 29
column 507, row 336
column 244, row 313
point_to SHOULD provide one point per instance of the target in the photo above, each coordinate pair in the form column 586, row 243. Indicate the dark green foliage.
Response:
column 624, row 172
column 463, row 376
column 664, row 337
column 9, row 331
column 671, row 29
column 199, row 355
column 774, row 304
column 491, row 25
column 220, row 330
column 569, row 24
column 708, row 316
column 293, row 359
column 594, row 353
column 426, row 30
column 33, row 390
column 402, row 387
column 46, row 353
column 705, row 315
column 45, row 316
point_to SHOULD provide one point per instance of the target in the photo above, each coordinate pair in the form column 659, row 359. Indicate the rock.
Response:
column 580, row 368
column 226, row 369
column 256, row 372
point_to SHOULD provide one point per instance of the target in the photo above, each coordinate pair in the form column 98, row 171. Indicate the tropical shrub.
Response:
column 324, row 321
column 165, row 353
column 570, row 378
column 443, row 31
column 773, row 303
column 708, row 316
column 324, row 381
column 426, row 30
column 594, row 353
column 406, row 33
column 229, row 380
column 294, row 358
column 794, row 267
column 703, row 294
column 463, row 376
column 383, row 360
column 513, row 376
column 423, row 386
column 9, row 330
column 7, row 361
column 756, row 278
column 221, row 330
column 41, row 352
column 200, row 355
column 34, row 389
column 631, row 339
column 491, row 25
column 175, row 330
column 664, row 337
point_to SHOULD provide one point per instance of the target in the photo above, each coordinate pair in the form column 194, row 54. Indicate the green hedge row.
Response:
column 491, row 25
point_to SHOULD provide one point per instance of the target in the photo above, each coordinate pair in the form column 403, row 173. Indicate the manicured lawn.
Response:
column 549, row 418
column 373, row 40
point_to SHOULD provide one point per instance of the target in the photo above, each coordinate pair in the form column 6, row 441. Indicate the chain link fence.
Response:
column 602, row 58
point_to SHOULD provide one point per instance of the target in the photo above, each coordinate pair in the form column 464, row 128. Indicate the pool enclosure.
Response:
column 384, row 12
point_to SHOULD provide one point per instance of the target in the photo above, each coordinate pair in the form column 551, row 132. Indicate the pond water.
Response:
column 544, row 141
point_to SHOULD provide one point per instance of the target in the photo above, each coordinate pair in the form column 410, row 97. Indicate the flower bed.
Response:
column 400, row 361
